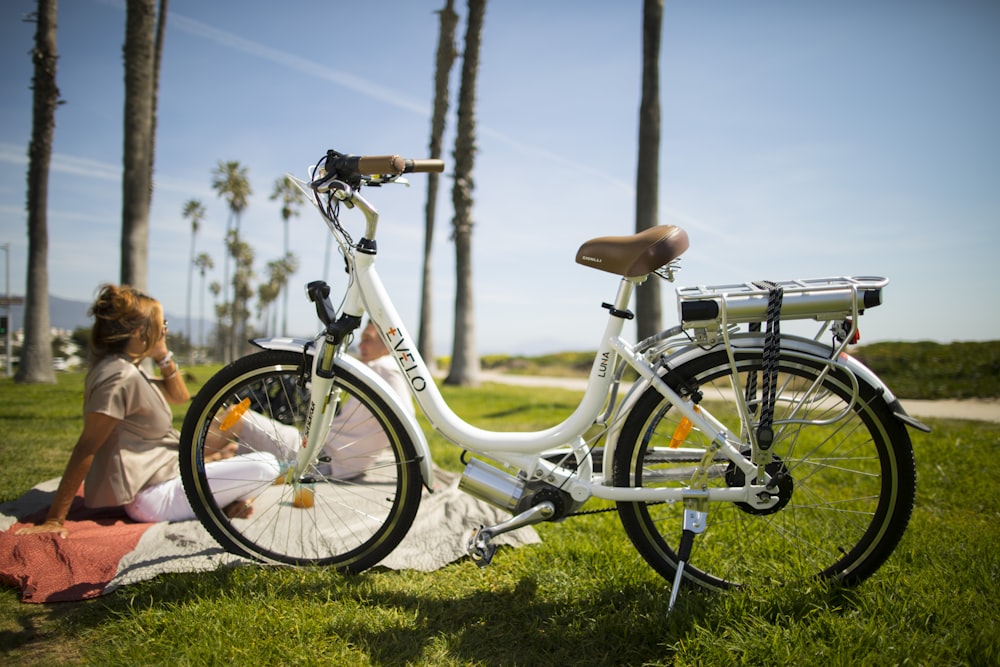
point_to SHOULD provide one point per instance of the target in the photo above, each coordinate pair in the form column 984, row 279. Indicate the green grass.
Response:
column 551, row 365
column 582, row 597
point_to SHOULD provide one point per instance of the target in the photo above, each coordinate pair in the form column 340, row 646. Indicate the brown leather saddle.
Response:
column 636, row 255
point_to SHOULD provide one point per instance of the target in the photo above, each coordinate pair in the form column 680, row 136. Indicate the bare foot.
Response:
column 220, row 453
column 239, row 509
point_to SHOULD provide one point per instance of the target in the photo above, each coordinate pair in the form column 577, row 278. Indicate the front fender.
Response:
column 381, row 389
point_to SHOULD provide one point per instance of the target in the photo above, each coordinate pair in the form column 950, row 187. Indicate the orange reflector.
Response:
column 682, row 431
column 234, row 414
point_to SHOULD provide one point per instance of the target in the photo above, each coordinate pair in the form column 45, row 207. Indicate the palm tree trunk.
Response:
column 648, row 309
column 36, row 354
column 137, row 179
column 464, row 359
column 161, row 31
column 190, row 283
column 201, row 318
column 442, row 73
column 237, row 311
column 226, row 259
column 284, row 295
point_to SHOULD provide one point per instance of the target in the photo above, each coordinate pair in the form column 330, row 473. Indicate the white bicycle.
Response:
column 740, row 456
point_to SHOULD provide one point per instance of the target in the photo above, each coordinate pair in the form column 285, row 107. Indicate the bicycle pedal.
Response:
column 479, row 548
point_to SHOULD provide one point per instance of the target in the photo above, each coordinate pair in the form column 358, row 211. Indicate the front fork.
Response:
column 324, row 399
column 324, row 396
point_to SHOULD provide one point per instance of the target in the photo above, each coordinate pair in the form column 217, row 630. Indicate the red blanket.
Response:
column 48, row 568
column 106, row 550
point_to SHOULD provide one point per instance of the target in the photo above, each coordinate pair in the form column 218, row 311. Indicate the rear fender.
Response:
column 794, row 344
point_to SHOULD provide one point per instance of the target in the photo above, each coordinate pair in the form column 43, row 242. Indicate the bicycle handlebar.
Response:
column 423, row 166
column 350, row 168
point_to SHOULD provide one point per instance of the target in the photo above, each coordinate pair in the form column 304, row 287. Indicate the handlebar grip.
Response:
column 352, row 168
column 381, row 164
column 415, row 166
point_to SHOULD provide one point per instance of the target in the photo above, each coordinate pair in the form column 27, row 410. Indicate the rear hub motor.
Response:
column 781, row 485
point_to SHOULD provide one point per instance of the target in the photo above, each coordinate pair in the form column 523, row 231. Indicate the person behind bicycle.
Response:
column 355, row 438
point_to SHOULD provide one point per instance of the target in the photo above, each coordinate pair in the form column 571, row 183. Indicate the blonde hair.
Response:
column 118, row 311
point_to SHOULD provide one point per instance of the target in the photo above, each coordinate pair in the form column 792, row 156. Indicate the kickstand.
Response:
column 694, row 523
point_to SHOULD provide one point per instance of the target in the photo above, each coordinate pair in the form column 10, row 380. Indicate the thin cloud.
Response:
column 64, row 164
column 557, row 159
column 73, row 165
column 297, row 63
column 359, row 85
column 362, row 86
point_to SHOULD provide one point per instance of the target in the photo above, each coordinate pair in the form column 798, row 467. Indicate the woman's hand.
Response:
column 171, row 381
column 97, row 429
column 50, row 526
column 159, row 349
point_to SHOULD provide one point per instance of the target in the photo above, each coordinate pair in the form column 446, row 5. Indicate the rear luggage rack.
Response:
column 822, row 299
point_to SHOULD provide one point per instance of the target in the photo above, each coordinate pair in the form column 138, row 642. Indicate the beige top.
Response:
column 142, row 449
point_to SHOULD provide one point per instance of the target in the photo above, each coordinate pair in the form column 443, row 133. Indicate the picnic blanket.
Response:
column 106, row 550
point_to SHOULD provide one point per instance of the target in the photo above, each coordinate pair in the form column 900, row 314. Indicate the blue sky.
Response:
column 799, row 139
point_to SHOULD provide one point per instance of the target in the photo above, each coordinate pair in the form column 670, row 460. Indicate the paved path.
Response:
column 975, row 409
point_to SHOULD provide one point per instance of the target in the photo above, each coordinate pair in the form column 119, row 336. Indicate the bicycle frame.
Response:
column 521, row 450
column 805, row 467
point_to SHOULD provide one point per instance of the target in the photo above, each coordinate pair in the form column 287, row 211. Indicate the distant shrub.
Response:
column 931, row 370
column 924, row 370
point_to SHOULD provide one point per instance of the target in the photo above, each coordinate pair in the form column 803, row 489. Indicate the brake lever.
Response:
column 377, row 180
column 340, row 190
column 323, row 183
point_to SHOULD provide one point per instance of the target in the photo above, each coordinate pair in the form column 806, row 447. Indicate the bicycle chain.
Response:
column 611, row 509
column 614, row 509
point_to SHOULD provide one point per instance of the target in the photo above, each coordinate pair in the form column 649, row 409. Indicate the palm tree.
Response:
column 36, row 354
column 242, row 293
column 137, row 176
column 464, row 360
column 648, row 310
column 161, row 31
column 204, row 263
column 195, row 212
column 291, row 198
column 278, row 272
column 446, row 54
column 215, row 287
column 267, row 293
column 287, row 267
column 230, row 182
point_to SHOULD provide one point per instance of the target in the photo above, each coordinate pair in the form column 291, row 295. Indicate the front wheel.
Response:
column 846, row 470
column 349, row 510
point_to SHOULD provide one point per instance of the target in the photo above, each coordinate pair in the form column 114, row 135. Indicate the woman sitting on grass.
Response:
column 127, row 452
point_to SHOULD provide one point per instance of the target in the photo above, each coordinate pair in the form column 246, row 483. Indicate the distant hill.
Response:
column 69, row 314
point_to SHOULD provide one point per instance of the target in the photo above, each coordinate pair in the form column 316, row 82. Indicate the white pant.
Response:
column 237, row 478
column 355, row 441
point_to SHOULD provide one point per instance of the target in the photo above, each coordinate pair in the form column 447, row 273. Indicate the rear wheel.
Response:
column 350, row 520
column 846, row 474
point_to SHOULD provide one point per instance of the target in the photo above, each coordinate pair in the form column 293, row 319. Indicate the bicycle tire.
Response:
column 349, row 524
column 843, row 506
